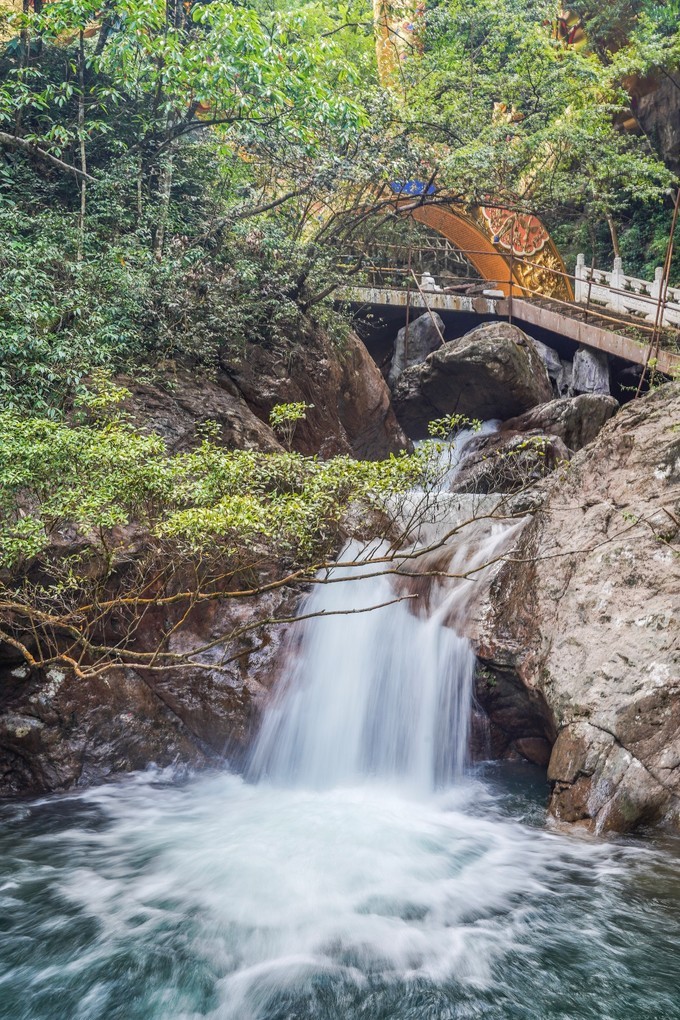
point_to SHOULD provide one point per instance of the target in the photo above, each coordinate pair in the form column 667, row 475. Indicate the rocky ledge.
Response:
column 578, row 638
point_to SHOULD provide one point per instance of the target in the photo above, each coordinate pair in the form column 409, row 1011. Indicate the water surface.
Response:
column 155, row 898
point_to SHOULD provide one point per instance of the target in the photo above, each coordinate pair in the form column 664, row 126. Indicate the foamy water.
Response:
column 218, row 898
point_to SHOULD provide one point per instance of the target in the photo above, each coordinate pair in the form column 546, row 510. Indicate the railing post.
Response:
column 579, row 278
column 408, row 308
column 512, row 268
column 655, row 342
column 617, row 283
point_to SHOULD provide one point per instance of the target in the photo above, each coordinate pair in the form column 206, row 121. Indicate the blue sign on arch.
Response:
column 412, row 188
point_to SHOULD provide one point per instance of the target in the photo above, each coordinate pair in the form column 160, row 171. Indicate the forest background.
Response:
column 176, row 177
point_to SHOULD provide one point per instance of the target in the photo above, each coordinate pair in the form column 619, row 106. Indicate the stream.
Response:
column 361, row 868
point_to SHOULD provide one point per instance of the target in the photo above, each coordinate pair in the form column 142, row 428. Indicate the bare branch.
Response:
column 15, row 142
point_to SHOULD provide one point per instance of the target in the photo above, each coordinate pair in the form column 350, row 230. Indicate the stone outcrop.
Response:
column 531, row 446
column 413, row 344
column 178, row 404
column 494, row 371
column 58, row 730
column 582, row 623
column 352, row 411
column 574, row 420
column 590, row 372
column 555, row 367
column 658, row 113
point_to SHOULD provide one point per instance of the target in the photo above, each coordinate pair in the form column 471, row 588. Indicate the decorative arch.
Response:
column 501, row 244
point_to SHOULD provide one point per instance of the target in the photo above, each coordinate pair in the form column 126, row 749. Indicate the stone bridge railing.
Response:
column 626, row 295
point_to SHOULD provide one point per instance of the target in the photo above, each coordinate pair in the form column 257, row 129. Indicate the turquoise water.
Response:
column 206, row 896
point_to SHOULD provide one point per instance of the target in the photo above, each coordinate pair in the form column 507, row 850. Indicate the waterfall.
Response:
column 363, row 877
column 383, row 692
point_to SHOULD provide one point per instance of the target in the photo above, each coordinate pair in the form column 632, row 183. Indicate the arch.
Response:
column 499, row 245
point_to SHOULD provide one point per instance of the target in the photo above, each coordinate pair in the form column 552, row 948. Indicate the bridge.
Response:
column 627, row 318
column 571, row 322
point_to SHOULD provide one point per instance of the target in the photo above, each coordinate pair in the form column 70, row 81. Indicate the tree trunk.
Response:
column 614, row 235
column 164, row 191
column 81, row 136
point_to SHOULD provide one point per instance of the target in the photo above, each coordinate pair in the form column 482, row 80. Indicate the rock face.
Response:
column 531, row 446
column 590, row 372
column 583, row 623
column 575, row 420
column 658, row 113
column 175, row 411
column 352, row 411
column 554, row 365
column 58, row 730
column 494, row 371
column 413, row 345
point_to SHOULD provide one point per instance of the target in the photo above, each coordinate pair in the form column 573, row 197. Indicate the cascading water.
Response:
column 358, row 873
column 383, row 692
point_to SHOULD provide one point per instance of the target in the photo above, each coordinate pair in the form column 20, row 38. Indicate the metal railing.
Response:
column 589, row 307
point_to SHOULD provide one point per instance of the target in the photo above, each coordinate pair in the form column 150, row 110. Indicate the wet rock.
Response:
column 575, row 420
column 584, row 614
column 507, row 461
column 553, row 364
column 534, row 444
column 413, row 345
column 494, row 371
column 519, row 720
column 59, row 731
column 590, row 372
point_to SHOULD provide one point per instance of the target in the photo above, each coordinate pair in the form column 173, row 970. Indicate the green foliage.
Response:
column 284, row 417
column 447, row 426
column 514, row 113
column 98, row 477
column 183, row 119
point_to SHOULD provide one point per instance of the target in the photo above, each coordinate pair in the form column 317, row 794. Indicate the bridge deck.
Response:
column 567, row 320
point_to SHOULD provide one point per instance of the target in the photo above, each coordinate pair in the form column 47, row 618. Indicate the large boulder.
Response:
column 509, row 461
column 590, row 372
column 413, row 344
column 494, row 371
column 179, row 402
column 59, row 730
column 352, row 411
column 582, row 621
column 575, row 420
column 531, row 446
